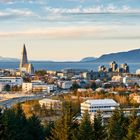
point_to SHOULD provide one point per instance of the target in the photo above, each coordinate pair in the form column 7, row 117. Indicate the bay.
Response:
column 42, row 65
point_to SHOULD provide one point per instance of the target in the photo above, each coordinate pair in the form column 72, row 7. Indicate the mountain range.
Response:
column 132, row 56
column 88, row 59
column 7, row 59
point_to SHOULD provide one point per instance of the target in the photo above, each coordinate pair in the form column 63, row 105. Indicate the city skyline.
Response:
column 68, row 29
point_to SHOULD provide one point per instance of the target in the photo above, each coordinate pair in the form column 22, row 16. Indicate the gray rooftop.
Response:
column 102, row 102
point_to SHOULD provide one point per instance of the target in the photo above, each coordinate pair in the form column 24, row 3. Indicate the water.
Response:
column 61, row 65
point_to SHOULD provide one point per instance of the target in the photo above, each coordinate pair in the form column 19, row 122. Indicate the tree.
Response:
column 138, row 137
column 14, row 124
column 116, row 126
column 26, row 79
column 134, row 126
column 48, row 127
column 41, row 72
column 60, row 130
column 93, row 85
column 16, row 88
column 17, row 127
column 63, row 127
column 22, row 125
column 9, row 123
column 99, row 129
column 7, row 88
column 85, row 128
column 1, row 125
column 36, row 131
column 75, row 86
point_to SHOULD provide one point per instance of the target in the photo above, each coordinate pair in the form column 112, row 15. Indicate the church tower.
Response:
column 24, row 59
column 25, row 66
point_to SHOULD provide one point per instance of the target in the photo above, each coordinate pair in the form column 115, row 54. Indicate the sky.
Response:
column 63, row 30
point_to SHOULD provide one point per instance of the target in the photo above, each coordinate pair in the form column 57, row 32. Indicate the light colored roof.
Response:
column 101, row 102
column 49, row 100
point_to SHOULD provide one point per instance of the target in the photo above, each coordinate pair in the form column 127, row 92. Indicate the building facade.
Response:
column 12, row 81
column 25, row 66
column 105, row 106
column 51, row 104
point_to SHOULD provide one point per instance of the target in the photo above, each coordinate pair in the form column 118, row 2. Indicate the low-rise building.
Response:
column 130, row 81
column 105, row 106
column 11, row 81
column 27, row 87
column 138, row 71
column 117, row 78
column 137, row 98
column 51, row 104
column 34, row 87
column 81, row 90
column 51, row 72
column 60, row 74
column 51, row 88
column 66, row 85
column 1, row 87
column 69, row 72
column 102, row 68
column 85, row 75
column 38, row 87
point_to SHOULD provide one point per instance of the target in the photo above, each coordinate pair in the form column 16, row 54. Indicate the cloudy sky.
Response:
column 68, row 29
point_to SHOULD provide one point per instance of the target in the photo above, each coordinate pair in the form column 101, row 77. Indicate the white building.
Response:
column 60, row 74
column 85, row 75
column 27, row 87
column 129, row 81
column 11, row 81
column 117, row 78
column 49, row 103
column 51, row 88
column 138, row 71
column 82, row 90
column 136, row 98
column 37, row 82
column 98, row 82
column 1, row 87
column 51, row 72
column 106, row 106
column 38, row 87
column 34, row 87
column 66, row 84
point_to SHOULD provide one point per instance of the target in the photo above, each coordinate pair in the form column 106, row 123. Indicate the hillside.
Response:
column 132, row 56
column 88, row 59
column 6, row 59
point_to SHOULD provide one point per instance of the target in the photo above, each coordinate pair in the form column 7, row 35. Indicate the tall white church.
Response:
column 25, row 66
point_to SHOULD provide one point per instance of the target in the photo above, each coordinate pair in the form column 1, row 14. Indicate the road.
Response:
column 10, row 102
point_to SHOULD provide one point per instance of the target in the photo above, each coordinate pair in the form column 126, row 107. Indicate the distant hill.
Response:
column 88, row 59
column 132, row 56
column 6, row 59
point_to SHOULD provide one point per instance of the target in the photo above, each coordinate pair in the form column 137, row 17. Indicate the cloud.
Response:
column 4, row 1
column 8, row 1
column 16, row 13
column 12, row 2
column 76, row 32
column 23, row 1
column 58, row 32
column 110, row 8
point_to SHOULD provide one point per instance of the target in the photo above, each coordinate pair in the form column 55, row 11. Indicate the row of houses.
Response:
column 39, row 85
column 33, row 86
